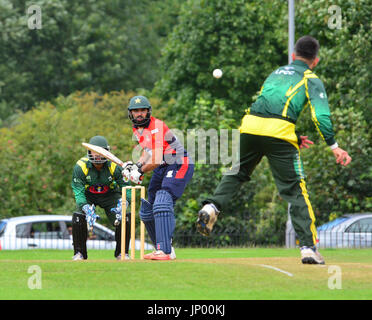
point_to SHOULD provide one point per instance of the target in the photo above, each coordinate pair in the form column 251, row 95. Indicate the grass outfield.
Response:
column 197, row 274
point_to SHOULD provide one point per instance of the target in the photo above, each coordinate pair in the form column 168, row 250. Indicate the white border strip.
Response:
column 276, row 269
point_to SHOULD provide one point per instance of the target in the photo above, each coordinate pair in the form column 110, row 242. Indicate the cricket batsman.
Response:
column 268, row 129
column 172, row 168
column 97, row 182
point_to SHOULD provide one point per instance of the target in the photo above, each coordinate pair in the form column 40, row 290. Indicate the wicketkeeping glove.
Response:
column 118, row 211
column 90, row 215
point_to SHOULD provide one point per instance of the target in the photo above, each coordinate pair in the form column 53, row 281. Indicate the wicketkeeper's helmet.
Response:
column 139, row 102
column 99, row 141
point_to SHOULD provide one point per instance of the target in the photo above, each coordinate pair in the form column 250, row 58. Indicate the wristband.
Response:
column 334, row 146
column 139, row 165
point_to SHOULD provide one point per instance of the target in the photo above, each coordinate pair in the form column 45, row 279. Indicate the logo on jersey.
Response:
column 98, row 189
column 169, row 174
column 287, row 71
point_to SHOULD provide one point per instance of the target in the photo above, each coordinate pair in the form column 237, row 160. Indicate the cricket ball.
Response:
column 217, row 73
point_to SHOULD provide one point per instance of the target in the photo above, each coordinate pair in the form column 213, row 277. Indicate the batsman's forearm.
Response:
column 149, row 167
column 151, row 161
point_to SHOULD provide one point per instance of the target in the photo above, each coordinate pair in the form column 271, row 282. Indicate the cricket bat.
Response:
column 104, row 153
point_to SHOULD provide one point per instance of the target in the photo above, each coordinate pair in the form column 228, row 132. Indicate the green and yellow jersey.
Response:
column 86, row 178
column 284, row 95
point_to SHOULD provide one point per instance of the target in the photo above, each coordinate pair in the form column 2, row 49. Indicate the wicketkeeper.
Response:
column 268, row 129
column 97, row 182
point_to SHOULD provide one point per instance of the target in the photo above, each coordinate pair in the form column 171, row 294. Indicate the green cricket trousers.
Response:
column 286, row 167
column 107, row 202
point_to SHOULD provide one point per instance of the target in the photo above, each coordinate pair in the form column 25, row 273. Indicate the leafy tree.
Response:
column 344, row 52
column 240, row 37
column 87, row 45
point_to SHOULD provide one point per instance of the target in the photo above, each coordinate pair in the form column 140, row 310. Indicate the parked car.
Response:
column 51, row 232
column 348, row 231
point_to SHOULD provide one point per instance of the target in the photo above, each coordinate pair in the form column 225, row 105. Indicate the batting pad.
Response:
column 165, row 221
column 79, row 234
column 147, row 216
column 118, row 236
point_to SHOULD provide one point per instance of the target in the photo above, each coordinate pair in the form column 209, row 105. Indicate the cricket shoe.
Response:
column 207, row 217
column 173, row 254
column 77, row 257
column 311, row 255
column 148, row 256
column 126, row 257
column 160, row 255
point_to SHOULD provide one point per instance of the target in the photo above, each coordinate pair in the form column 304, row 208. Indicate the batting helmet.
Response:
column 139, row 102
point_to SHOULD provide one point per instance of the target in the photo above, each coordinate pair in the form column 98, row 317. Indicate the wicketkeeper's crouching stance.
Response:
column 268, row 129
column 172, row 169
column 97, row 182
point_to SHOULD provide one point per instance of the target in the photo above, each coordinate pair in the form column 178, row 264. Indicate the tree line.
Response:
column 73, row 79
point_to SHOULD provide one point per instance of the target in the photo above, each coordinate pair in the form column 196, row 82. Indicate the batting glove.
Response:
column 128, row 164
column 90, row 215
column 126, row 175
column 127, row 168
column 136, row 175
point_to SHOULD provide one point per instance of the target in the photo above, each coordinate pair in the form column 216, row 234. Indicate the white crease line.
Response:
column 276, row 269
